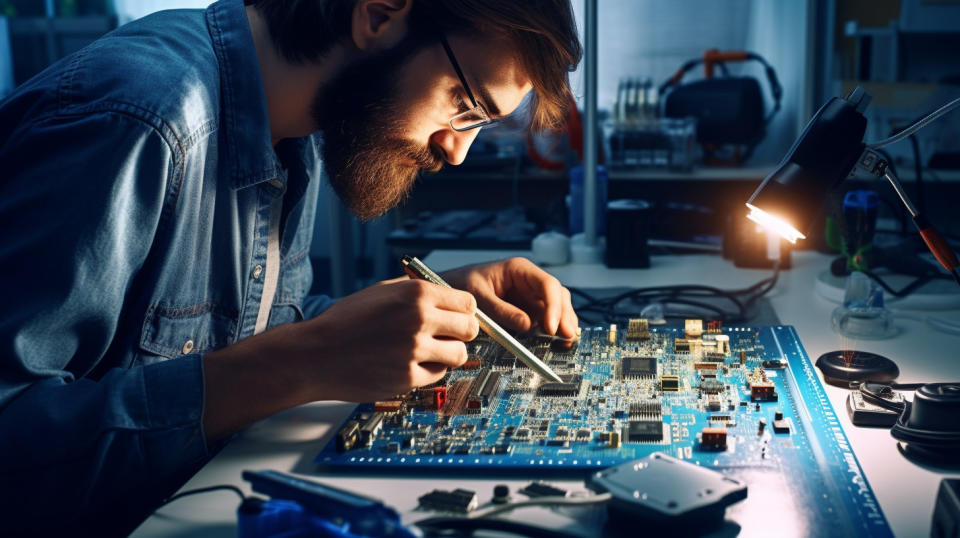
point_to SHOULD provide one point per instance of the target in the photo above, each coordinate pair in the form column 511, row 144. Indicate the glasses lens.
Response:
column 471, row 119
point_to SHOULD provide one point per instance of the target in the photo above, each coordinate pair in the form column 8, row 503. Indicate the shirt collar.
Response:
column 248, row 157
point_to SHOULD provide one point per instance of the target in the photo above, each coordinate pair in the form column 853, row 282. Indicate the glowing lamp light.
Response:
column 774, row 224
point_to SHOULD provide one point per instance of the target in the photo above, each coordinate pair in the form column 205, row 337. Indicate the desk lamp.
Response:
column 828, row 151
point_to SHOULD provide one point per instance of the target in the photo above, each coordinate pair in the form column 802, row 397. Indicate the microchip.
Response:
column 638, row 329
column 637, row 431
column 570, row 386
column 669, row 383
column 711, row 386
column 458, row 500
column 638, row 367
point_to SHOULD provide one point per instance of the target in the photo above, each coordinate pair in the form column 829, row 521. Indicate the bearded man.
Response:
column 158, row 196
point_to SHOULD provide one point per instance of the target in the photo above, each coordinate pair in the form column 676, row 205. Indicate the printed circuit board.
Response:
column 742, row 400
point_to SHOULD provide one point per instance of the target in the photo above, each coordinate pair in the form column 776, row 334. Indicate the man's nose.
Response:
column 455, row 144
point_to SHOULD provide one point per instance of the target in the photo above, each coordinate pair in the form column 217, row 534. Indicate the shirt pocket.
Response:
column 295, row 278
column 171, row 331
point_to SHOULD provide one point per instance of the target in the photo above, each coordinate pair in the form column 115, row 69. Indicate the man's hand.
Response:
column 371, row 345
column 391, row 337
column 518, row 295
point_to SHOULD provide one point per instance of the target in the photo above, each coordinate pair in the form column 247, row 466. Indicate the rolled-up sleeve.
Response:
column 81, row 198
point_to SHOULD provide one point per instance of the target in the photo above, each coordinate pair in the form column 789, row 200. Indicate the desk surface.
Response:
column 290, row 440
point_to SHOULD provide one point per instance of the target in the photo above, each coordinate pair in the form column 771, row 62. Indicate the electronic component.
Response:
column 713, row 437
column 667, row 492
column 864, row 413
column 459, row 500
column 711, row 386
column 620, row 402
column 392, row 406
column 633, row 367
column 638, row 329
column 612, row 335
column 613, row 439
column 639, row 431
column 669, row 383
column 761, row 388
column 781, row 426
column 542, row 489
column 570, row 386
column 713, row 402
column 501, row 494
column 348, row 436
column 693, row 328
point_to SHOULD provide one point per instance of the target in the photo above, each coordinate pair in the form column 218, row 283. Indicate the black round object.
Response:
column 930, row 426
column 841, row 367
column 501, row 494
column 936, row 407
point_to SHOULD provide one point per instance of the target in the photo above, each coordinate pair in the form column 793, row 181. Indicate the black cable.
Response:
column 689, row 295
column 234, row 489
column 909, row 288
column 874, row 392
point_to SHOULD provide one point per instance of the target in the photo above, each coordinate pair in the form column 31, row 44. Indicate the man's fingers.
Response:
column 449, row 353
column 508, row 315
column 568, row 320
column 453, row 300
column 551, row 295
column 462, row 327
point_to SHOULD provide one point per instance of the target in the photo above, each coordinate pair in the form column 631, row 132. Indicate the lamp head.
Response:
column 792, row 195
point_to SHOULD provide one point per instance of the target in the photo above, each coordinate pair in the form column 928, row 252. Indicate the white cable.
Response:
column 542, row 501
column 919, row 124
column 935, row 323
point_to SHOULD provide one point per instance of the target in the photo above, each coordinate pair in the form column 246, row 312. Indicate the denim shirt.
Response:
column 136, row 183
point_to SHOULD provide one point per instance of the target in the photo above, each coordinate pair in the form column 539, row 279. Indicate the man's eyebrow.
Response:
column 484, row 94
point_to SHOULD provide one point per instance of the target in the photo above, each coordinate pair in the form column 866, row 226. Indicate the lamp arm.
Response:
column 872, row 162
column 917, row 125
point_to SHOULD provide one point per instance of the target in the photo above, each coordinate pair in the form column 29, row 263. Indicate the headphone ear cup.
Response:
column 928, row 426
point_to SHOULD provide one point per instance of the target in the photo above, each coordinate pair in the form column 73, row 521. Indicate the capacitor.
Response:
column 761, row 425
column 778, row 415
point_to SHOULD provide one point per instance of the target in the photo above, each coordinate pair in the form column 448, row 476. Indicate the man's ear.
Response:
column 379, row 24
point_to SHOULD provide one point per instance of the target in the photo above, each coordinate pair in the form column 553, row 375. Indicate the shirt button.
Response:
column 257, row 271
column 187, row 347
column 276, row 183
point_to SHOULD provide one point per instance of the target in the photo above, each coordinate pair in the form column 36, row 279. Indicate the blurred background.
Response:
column 695, row 152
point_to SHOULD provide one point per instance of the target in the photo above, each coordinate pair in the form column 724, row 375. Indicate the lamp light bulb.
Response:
column 775, row 224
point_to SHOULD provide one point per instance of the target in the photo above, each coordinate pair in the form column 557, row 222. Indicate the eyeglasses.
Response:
column 473, row 117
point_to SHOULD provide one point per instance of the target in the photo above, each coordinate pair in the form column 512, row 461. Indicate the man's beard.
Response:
column 371, row 166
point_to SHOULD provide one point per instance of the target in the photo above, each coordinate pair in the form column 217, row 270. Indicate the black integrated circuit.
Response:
column 638, row 431
column 638, row 367
column 569, row 388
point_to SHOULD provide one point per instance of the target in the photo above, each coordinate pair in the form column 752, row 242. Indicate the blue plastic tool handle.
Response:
column 363, row 515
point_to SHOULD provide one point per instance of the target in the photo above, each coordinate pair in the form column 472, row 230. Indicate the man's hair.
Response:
column 542, row 31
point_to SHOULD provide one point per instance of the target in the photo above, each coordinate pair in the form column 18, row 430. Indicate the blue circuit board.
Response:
column 743, row 400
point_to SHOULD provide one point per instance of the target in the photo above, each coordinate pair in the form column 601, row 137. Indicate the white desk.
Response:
column 290, row 440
